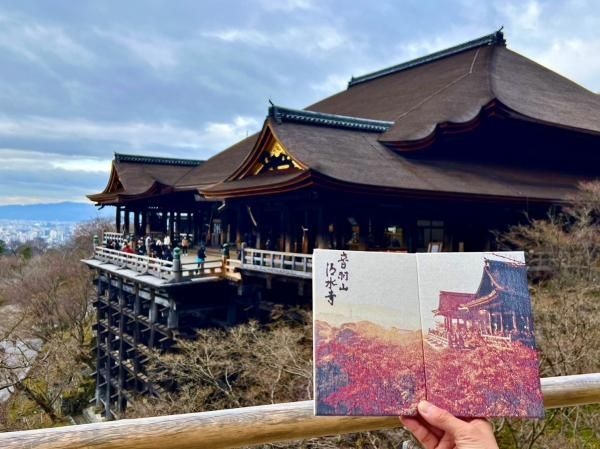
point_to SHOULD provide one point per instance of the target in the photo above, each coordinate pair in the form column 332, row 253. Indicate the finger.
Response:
column 437, row 432
column 439, row 417
column 427, row 438
column 446, row 442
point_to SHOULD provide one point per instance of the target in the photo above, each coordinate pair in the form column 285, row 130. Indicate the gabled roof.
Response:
column 496, row 38
column 354, row 139
column 356, row 160
column 134, row 177
column 455, row 87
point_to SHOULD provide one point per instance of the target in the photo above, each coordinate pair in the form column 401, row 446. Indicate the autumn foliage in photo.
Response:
column 487, row 381
column 364, row 369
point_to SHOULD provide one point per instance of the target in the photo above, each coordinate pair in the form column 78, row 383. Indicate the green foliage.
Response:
column 26, row 252
column 3, row 248
column 76, row 399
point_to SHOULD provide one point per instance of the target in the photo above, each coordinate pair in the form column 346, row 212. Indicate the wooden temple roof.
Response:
column 134, row 177
column 364, row 138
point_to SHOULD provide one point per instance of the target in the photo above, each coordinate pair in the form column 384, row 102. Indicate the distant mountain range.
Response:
column 66, row 211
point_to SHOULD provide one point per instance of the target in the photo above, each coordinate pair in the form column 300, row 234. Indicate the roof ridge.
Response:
column 496, row 38
column 120, row 157
column 283, row 114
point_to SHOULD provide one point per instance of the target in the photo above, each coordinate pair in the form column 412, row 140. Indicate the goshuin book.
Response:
column 456, row 329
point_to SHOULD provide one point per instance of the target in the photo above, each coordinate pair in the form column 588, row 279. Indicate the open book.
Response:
column 391, row 329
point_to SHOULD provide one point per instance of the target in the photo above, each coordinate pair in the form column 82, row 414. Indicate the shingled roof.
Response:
column 134, row 176
column 356, row 137
column 347, row 138
column 454, row 86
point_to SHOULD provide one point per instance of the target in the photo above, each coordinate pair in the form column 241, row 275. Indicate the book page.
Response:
column 479, row 348
column 368, row 348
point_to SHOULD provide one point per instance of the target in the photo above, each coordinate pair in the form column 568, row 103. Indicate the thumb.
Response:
column 439, row 418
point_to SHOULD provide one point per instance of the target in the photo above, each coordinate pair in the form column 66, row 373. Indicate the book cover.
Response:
column 391, row 329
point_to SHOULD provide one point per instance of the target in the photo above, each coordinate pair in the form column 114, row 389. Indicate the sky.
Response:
column 80, row 81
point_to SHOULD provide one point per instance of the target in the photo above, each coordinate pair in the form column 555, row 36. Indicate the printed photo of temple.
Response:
column 431, row 154
column 498, row 313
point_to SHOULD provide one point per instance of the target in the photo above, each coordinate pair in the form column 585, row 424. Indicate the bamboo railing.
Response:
column 251, row 425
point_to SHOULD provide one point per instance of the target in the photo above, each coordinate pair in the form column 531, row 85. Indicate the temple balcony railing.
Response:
column 251, row 260
column 249, row 426
column 117, row 237
column 276, row 262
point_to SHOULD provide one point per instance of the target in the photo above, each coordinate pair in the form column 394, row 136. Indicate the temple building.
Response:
column 499, row 311
column 427, row 155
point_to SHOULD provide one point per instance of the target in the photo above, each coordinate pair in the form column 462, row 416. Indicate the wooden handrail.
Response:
column 251, row 425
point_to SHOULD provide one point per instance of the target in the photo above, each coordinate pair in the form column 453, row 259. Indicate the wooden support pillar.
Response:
column 108, row 341
column 153, row 317
column 306, row 234
column 118, row 218
column 127, row 229
column 258, row 216
column 239, row 236
column 321, row 228
column 145, row 223
column 287, row 229
column 281, row 239
column 136, row 223
column 98, row 333
column 121, row 374
column 136, row 333
column 189, row 223
column 173, row 319
column 171, row 225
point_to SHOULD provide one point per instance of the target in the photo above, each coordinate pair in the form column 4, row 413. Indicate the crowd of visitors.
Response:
column 159, row 248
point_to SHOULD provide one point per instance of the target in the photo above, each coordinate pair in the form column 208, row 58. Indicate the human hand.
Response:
column 435, row 428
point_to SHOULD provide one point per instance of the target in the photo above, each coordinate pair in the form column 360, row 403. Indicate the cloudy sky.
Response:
column 82, row 80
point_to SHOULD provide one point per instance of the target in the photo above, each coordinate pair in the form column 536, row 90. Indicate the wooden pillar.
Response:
column 260, row 223
column 305, row 233
column 145, row 222
column 121, row 374
column 239, row 236
column 108, row 342
column 98, row 333
column 136, row 226
column 153, row 316
column 171, row 225
column 281, row 237
column 287, row 229
column 321, row 241
column 136, row 333
column 173, row 319
column 118, row 218
column 163, row 221
column 127, row 229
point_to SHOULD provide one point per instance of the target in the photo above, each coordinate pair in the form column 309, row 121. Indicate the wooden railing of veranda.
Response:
column 251, row 425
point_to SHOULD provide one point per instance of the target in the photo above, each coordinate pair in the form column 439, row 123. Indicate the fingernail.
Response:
column 424, row 407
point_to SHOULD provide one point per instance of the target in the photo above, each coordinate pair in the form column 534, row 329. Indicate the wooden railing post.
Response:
column 177, row 265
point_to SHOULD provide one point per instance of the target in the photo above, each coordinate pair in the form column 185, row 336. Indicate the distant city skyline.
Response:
column 82, row 80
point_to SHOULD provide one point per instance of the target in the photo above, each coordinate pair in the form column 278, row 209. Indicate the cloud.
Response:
column 287, row 5
column 572, row 58
column 156, row 51
column 521, row 17
column 303, row 39
column 209, row 138
column 36, row 41
column 333, row 83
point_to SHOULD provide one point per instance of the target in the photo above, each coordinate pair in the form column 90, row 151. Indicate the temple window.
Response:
column 429, row 231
